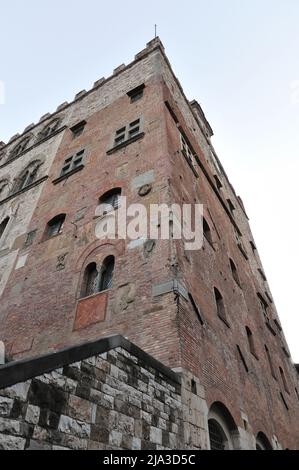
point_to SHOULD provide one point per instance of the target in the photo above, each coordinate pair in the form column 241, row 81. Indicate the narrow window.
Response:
column 30, row 237
column 107, row 273
column 207, row 231
column 231, row 207
column 78, row 129
column 265, row 307
column 193, row 387
column 195, row 308
column 253, row 247
column 217, row 435
column 187, row 149
column 234, row 272
column 285, row 385
column 242, row 358
column 270, row 362
column 251, row 342
column 54, row 227
column 218, row 182
column 220, row 304
column 90, row 280
column 262, row 274
column 284, row 401
column 3, row 226
column 136, row 94
column 110, row 201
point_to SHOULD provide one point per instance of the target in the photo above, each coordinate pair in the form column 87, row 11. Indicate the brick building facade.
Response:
column 207, row 312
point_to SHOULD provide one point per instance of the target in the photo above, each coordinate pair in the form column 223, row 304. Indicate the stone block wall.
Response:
column 112, row 400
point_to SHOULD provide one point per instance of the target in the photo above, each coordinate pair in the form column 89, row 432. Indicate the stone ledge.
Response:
column 20, row 371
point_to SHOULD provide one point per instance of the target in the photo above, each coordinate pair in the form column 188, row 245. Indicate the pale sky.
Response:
column 239, row 59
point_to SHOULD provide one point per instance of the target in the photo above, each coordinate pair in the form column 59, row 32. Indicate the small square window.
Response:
column 136, row 94
column 78, row 129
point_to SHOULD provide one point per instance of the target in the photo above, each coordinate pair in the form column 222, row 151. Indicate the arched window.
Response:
column 3, row 188
column 234, row 272
column 284, row 381
column 94, row 280
column 107, row 273
column 220, row 304
column 20, row 147
column 54, row 227
column 110, row 201
column 207, row 231
column 218, row 438
column 49, row 129
column 27, row 177
column 3, row 226
column 90, row 281
column 262, row 442
column 251, row 341
column 222, row 427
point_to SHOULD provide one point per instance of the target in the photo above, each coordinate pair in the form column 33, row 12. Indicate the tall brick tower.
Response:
column 207, row 312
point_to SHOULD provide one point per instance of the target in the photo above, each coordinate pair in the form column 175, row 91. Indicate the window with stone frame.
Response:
column 98, row 280
column 270, row 362
column 90, row 280
column 72, row 163
column 127, row 133
column 27, row 177
column 265, row 307
column 234, row 272
column 137, row 93
column 78, row 129
column 251, row 342
column 283, row 379
column 20, row 147
column 55, row 225
column 221, row 312
column 49, row 129
column 187, row 149
column 207, row 231
column 107, row 271
column 110, row 201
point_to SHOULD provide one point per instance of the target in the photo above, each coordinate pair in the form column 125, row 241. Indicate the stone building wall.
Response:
column 118, row 399
column 41, row 308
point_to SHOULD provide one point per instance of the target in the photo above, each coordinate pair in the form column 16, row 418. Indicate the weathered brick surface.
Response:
column 40, row 309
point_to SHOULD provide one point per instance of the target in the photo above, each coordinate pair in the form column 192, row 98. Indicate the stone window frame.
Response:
column 110, row 199
column 20, row 147
column 72, row 164
column 137, row 93
column 127, row 134
column 49, row 129
column 27, row 177
column 234, row 272
column 251, row 342
column 101, row 283
column 78, row 129
column 55, row 226
column 220, row 306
